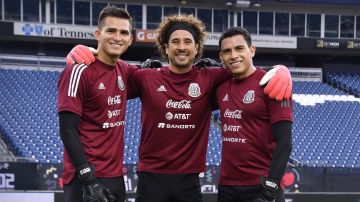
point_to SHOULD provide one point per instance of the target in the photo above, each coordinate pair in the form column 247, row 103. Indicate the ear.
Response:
column 131, row 39
column 166, row 49
column 197, row 48
column 220, row 56
column 97, row 34
column 252, row 50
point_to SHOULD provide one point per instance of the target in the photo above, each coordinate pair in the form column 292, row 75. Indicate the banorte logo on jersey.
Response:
column 183, row 104
column 236, row 114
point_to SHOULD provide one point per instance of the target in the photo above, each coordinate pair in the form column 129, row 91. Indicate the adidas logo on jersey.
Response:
column 101, row 86
column 226, row 98
column 161, row 88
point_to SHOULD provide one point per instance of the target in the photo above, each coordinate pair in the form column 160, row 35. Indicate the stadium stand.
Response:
column 29, row 119
column 326, row 126
column 348, row 82
column 29, row 122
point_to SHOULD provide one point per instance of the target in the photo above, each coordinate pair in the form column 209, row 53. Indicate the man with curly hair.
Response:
column 176, row 111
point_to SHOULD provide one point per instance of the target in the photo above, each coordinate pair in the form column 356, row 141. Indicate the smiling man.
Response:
column 93, row 141
column 176, row 110
column 251, row 169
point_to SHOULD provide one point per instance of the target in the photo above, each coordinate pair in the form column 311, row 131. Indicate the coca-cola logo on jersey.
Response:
column 114, row 100
column 236, row 114
column 183, row 104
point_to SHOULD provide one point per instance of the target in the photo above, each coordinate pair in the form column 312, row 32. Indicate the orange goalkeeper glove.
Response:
column 81, row 54
column 278, row 83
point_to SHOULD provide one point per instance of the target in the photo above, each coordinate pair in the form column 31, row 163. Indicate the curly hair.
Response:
column 167, row 23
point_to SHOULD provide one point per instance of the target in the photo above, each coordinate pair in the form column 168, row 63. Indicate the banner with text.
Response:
column 212, row 39
column 18, row 176
column 334, row 44
column 52, row 30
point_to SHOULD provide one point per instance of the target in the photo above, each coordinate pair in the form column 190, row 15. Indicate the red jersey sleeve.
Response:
column 280, row 110
column 134, row 85
column 220, row 75
column 72, row 87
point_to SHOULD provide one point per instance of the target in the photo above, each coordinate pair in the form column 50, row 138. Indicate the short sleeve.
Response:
column 133, row 85
column 280, row 110
column 72, row 88
column 220, row 75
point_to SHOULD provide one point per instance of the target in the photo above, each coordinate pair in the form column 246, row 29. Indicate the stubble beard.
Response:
column 181, row 65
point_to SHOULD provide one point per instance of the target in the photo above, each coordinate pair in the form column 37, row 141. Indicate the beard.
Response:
column 182, row 64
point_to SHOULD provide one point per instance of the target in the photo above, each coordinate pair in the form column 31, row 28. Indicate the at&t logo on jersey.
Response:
column 177, row 116
column 230, row 128
column 113, row 113
column 249, row 97
column 183, row 104
column 194, row 90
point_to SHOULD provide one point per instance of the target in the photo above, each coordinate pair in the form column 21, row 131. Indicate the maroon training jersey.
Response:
column 247, row 141
column 176, row 110
column 97, row 93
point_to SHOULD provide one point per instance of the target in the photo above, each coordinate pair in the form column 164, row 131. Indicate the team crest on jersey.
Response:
column 121, row 84
column 249, row 97
column 194, row 90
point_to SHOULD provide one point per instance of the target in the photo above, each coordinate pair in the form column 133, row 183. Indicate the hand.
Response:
column 92, row 190
column 268, row 192
column 81, row 54
column 150, row 63
column 278, row 83
column 207, row 62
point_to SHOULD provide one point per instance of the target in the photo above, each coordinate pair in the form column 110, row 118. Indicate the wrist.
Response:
column 85, row 173
column 270, row 188
column 271, row 183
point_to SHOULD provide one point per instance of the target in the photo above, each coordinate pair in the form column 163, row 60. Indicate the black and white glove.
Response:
column 269, row 189
column 92, row 190
column 150, row 63
column 207, row 62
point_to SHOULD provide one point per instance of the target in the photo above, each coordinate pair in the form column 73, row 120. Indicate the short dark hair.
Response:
column 233, row 31
column 113, row 11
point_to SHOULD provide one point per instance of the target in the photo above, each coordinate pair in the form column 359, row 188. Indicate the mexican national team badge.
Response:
column 194, row 90
column 121, row 83
column 249, row 97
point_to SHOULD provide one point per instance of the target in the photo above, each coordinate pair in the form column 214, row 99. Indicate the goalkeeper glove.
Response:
column 268, row 191
column 278, row 83
column 207, row 62
column 81, row 54
column 92, row 190
column 150, row 63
